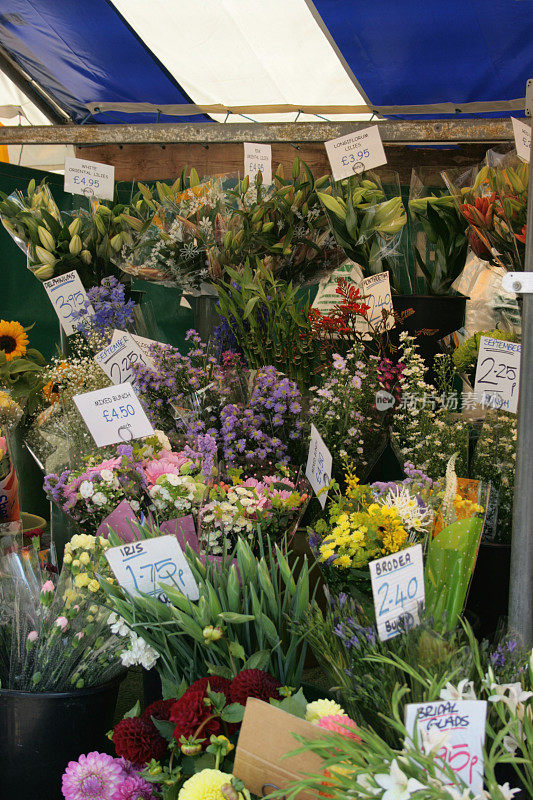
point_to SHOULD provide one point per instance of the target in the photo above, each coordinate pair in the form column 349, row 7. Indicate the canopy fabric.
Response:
column 232, row 53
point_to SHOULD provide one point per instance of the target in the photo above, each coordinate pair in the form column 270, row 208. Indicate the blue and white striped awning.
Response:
column 110, row 61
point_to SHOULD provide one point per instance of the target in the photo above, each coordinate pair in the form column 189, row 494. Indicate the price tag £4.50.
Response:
column 113, row 415
column 498, row 374
column 398, row 589
column 461, row 726
column 118, row 358
column 141, row 566
column 355, row 152
column 67, row 296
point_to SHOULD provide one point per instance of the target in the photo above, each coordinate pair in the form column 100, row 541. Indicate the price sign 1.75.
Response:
column 498, row 374
column 141, row 566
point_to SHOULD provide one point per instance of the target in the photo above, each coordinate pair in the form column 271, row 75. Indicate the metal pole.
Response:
column 521, row 586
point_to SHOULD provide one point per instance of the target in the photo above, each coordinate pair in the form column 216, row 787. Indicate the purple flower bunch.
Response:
column 269, row 429
column 195, row 382
column 205, row 449
column 111, row 309
column 98, row 775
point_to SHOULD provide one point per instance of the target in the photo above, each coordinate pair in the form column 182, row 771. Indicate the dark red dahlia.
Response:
column 160, row 710
column 254, row 683
column 190, row 711
column 138, row 741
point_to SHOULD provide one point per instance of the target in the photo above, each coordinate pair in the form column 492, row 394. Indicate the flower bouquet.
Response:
column 51, row 643
column 366, row 224
column 252, row 509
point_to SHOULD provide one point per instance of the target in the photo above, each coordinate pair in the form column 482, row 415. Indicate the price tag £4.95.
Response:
column 113, row 415
column 398, row 590
column 141, row 566
column 118, row 358
column 67, row 296
column 319, row 463
column 355, row 152
column 498, row 374
column 89, row 178
column 460, row 724
column 522, row 138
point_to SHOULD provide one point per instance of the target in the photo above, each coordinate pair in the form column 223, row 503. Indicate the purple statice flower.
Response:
column 111, row 309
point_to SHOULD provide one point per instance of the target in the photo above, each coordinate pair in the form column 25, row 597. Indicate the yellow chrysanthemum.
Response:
column 322, row 708
column 13, row 339
column 207, row 785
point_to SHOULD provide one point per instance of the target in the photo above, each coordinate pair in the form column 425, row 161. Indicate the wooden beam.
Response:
column 399, row 131
column 147, row 162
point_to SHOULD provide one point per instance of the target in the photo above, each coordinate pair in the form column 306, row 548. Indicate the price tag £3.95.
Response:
column 118, row 358
column 67, row 296
column 398, row 590
column 498, row 374
column 141, row 566
column 355, row 152
column 460, row 724
column 113, row 415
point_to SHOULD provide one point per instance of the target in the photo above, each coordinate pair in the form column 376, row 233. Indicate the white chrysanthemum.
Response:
column 410, row 512
column 99, row 499
column 86, row 489
column 322, row 708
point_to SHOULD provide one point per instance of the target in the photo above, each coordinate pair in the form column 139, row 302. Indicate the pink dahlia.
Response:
column 341, row 724
column 95, row 776
column 134, row 788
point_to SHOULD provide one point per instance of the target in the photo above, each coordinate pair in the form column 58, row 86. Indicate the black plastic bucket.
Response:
column 434, row 316
column 42, row 732
column 489, row 591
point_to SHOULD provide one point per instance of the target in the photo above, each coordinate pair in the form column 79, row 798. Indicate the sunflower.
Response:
column 13, row 339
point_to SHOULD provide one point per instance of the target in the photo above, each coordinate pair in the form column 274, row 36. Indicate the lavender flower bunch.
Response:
column 175, row 379
column 111, row 310
column 268, row 430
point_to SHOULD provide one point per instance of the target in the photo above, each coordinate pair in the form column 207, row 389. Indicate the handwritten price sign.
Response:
column 355, row 153
column 118, row 358
column 141, row 566
column 376, row 293
column 89, row 178
column 319, row 463
column 258, row 158
column 464, row 722
column 522, row 138
column 113, row 415
column 67, row 296
column 498, row 374
column 398, row 589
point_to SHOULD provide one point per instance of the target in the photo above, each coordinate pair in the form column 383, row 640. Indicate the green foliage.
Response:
column 251, row 602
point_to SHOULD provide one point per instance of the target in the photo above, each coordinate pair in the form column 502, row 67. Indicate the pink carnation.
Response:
column 338, row 723
column 170, row 464
column 111, row 463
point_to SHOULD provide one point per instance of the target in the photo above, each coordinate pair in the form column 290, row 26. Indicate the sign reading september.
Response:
column 498, row 374
column 89, row 178
column 355, row 152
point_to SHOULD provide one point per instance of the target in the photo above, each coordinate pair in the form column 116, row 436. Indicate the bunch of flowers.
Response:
column 110, row 311
column 424, row 428
column 99, row 775
column 90, row 494
column 175, row 494
column 21, row 367
column 185, row 225
column 184, row 390
column 84, row 559
column 344, row 408
column 360, row 528
column 494, row 461
column 252, row 508
column 54, row 644
column 268, row 429
column 137, row 650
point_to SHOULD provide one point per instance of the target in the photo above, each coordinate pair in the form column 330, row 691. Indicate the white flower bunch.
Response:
column 224, row 520
column 138, row 651
column 176, row 495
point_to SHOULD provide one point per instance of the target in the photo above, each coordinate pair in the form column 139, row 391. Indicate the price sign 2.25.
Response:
column 498, row 374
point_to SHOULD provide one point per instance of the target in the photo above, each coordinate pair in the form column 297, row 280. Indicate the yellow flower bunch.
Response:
column 84, row 558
